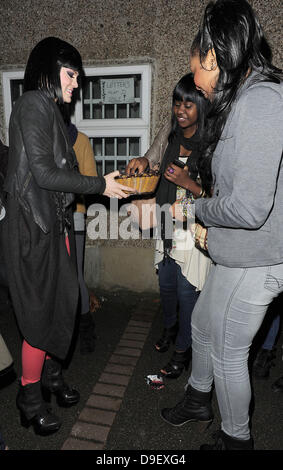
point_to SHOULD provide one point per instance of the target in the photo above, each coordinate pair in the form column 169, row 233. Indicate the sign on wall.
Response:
column 117, row 90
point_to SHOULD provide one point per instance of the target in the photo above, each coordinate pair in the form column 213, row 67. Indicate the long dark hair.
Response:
column 44, row 65
column 232, row 30
column 185, row 90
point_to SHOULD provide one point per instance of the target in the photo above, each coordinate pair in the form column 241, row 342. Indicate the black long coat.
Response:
column 42, row 280
column 40, row 181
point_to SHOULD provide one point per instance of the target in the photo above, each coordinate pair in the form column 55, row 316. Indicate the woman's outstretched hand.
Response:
column 139, row 164
column 114, row 189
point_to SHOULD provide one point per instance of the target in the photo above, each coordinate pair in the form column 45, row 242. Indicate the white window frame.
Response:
column 131, row 127
column 6, row 83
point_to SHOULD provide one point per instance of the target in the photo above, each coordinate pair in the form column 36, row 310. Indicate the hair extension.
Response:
column 233, row 31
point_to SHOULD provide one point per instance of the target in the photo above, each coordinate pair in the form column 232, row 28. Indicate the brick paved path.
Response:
column 91, row 430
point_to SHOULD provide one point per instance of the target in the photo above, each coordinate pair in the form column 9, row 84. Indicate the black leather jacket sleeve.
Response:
column 42, row 169
column 47, row 149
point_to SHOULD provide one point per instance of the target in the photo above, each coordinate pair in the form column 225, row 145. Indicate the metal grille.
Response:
column 93, row 108
column 114, row 153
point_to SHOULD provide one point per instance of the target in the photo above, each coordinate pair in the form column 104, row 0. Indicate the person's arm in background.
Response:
column 85, row 155
column 87, row 164
column 154, row 154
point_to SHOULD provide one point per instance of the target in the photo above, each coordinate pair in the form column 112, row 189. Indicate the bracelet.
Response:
column 187, row 204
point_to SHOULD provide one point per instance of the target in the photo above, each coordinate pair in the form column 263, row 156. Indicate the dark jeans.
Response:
column 84, row 294
column 176, row 292
column 269, row 341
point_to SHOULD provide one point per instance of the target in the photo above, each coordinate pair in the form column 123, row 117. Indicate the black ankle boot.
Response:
column 176, row 365
column 194, row 407
column 225, row 442
column 34, row 411
column 263, row 363
column 168, row 337
column 87, row 333
column 277, row 386
column 53, row 382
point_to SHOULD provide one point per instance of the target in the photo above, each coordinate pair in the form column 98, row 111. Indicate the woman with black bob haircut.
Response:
column 38, row 238
column 186, row 91
column 242, row 166
column 44, row 65
column 182, row 268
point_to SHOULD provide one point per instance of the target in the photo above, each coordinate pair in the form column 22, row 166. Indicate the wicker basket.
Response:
column 143, row 184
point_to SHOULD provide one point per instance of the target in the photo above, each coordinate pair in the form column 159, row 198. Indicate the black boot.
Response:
column 225, row 442
column 34, row 411
column 2, row 443
column 277, row 386
column 194, row 407
column 168, row 337
column 176, row 365
column 87, row 333
column 53, row 382
column 263, row 363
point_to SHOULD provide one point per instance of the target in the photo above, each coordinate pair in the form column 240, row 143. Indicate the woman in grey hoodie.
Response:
column 242, row 164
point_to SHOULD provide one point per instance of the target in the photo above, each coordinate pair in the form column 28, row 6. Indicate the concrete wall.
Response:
column 122, row 256
column 117, row 32
column 125, row 267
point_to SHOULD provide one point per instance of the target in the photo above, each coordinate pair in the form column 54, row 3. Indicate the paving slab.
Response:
column 118, row 411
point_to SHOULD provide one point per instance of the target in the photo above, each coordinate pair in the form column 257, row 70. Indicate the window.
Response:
column 12, row 90
column 114, row 153
column 113, row 110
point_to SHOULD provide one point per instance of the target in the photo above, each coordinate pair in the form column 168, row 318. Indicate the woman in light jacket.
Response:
column 182, row 268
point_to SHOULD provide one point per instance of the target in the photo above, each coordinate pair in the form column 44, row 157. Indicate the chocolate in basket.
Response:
column 144, row 183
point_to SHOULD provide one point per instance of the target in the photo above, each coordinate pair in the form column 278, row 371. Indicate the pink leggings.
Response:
column 32, row 363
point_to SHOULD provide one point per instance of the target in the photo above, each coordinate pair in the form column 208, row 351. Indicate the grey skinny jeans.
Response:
column 227, row 315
